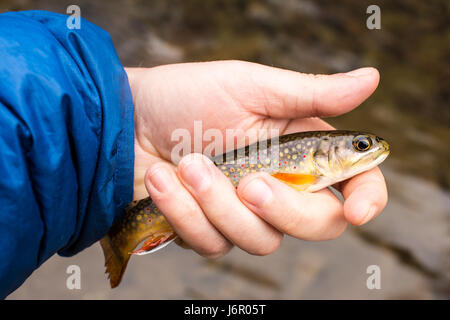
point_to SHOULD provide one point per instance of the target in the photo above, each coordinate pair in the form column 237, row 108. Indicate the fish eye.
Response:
column 362, row 143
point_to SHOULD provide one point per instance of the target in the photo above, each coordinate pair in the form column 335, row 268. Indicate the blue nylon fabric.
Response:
column 66, row 140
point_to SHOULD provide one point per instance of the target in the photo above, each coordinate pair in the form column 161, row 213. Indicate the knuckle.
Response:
column 329, row 230
column 337, row 232
column 294, row 222
column 268, row 247
column 337, row 211
column 205, row 194
column 187, row 215
column 215, row 250
column 341, row 230
column 161, row 198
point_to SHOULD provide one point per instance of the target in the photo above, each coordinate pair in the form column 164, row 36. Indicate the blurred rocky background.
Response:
column 409, row 241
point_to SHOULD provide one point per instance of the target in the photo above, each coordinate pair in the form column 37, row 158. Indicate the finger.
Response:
column 182, row 243
column 217, row 197
column 183, row 213
column 307, row 124
column 307, row 216
column 290, row 94
column 365, row 196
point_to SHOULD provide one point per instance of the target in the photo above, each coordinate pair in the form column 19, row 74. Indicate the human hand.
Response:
column 197, row 199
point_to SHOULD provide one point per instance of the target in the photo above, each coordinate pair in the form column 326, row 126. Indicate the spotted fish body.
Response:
column 306, row 161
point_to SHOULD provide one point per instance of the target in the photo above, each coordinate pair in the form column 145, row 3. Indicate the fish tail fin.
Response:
column 115, row 261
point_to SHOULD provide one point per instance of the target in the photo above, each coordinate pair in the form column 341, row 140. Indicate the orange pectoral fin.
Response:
column 296, row 180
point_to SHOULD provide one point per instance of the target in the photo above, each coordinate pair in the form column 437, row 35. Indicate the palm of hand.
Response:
column 246, row 96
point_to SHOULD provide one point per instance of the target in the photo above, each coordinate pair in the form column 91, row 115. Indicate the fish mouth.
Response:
column 381, row 158
column 383, row 152
column 385, row 145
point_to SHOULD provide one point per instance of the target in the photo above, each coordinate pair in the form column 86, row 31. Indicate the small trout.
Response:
column 306, row 161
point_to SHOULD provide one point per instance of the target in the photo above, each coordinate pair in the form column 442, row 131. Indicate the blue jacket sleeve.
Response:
column 66, row 140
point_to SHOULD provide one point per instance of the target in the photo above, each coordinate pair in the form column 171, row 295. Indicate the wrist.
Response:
column 144, row 153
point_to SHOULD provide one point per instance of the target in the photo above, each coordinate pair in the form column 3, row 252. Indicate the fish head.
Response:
column 340, row 156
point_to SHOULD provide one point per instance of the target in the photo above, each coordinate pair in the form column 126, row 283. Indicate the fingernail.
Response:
column 195, row 172
column 257, row 192
column 370, row 214
column 160, row 178
column 359, row 72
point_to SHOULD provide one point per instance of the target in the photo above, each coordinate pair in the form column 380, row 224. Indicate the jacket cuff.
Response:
column 109, row 105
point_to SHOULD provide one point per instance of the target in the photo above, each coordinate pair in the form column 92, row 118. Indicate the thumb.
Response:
column 290, row 94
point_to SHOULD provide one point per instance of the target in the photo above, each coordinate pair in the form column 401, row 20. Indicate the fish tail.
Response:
column 116, row 261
